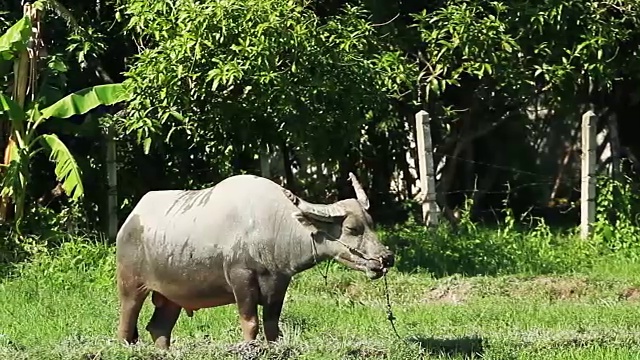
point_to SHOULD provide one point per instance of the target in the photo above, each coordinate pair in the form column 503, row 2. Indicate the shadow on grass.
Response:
column 465, row 347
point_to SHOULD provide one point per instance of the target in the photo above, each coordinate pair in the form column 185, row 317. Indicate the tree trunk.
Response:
column 614, row 138
column 288, row 171
column 265, row 169
column 112, row 180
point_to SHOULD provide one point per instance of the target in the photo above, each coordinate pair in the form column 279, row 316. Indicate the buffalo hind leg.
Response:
column 246, row 292
column 131, row 295
column 273, row 291
column 163, row 320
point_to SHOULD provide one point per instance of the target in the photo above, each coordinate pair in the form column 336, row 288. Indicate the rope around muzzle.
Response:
column 390, row 317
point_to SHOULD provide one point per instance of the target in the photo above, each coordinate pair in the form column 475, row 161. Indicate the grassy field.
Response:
column 65, row 307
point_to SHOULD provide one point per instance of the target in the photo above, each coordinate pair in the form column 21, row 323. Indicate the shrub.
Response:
column 473, row 250
column 617, row 227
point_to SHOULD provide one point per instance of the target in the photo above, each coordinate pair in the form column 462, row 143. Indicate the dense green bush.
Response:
column 90, row 256
column 57, row 245
column 468, row 250
column 473, row 250
column 513, row 248
column 617, row 222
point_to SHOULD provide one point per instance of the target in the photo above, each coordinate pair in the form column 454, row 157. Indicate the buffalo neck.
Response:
column 312, row 249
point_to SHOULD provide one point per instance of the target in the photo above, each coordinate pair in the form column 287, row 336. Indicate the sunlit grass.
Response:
column 64, row 306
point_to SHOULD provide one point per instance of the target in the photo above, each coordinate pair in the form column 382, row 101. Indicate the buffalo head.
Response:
column 346, row 231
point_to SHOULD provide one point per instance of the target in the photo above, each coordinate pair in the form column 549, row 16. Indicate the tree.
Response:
column 222, row 79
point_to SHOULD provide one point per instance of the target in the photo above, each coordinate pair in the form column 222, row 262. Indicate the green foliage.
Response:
column 513, row 247
column 85, row 100
column 466, row 37
column 51, row 265
column 215, row 80
column 475, row 250
column 67, row 170
column 70, row 294
column 526, row 47
column 13, row 111
column 25, row 126
column 237, row 74
column 42, row 231
column 619, row 200
column 15, row 39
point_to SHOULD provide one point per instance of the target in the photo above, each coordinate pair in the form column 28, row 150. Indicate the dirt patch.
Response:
column 354, row 291
column 631, row 294
column 365, row 353
column 553, row 288
column 451, row 293
column 564, row 288
column 247, row 350
column 458, row 290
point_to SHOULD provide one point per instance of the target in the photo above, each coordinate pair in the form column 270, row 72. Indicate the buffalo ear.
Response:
column 305, row 221
column 290, row 196
column 315, row 226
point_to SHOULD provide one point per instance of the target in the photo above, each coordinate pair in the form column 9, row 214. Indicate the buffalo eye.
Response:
column 354, row 229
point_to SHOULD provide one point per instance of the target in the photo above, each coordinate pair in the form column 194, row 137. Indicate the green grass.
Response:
column 64, row 306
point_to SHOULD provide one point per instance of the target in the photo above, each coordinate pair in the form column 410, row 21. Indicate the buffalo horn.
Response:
column 360, row 194
column 320, row 211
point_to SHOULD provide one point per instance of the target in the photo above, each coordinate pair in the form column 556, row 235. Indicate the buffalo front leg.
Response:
column 131, row 294
column 246, row 293
column 163, row 320
column 273, row 291
column 270, row 317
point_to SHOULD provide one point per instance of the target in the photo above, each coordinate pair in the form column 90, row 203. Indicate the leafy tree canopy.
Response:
column 259, row 71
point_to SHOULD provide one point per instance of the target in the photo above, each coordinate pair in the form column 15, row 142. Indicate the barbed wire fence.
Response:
column 429, row 195
column 430, row 191
column 543, row 183
column 423, row 171
column 561, row 209
column 545, row 180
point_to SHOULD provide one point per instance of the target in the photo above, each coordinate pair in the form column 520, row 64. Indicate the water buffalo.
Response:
column 241, row 242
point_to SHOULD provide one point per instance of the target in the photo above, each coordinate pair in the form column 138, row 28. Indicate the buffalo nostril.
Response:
column 388, row 260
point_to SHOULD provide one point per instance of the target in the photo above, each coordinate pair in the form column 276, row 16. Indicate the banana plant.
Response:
column 15, row 39
column 25, row 119
column 28, row 142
